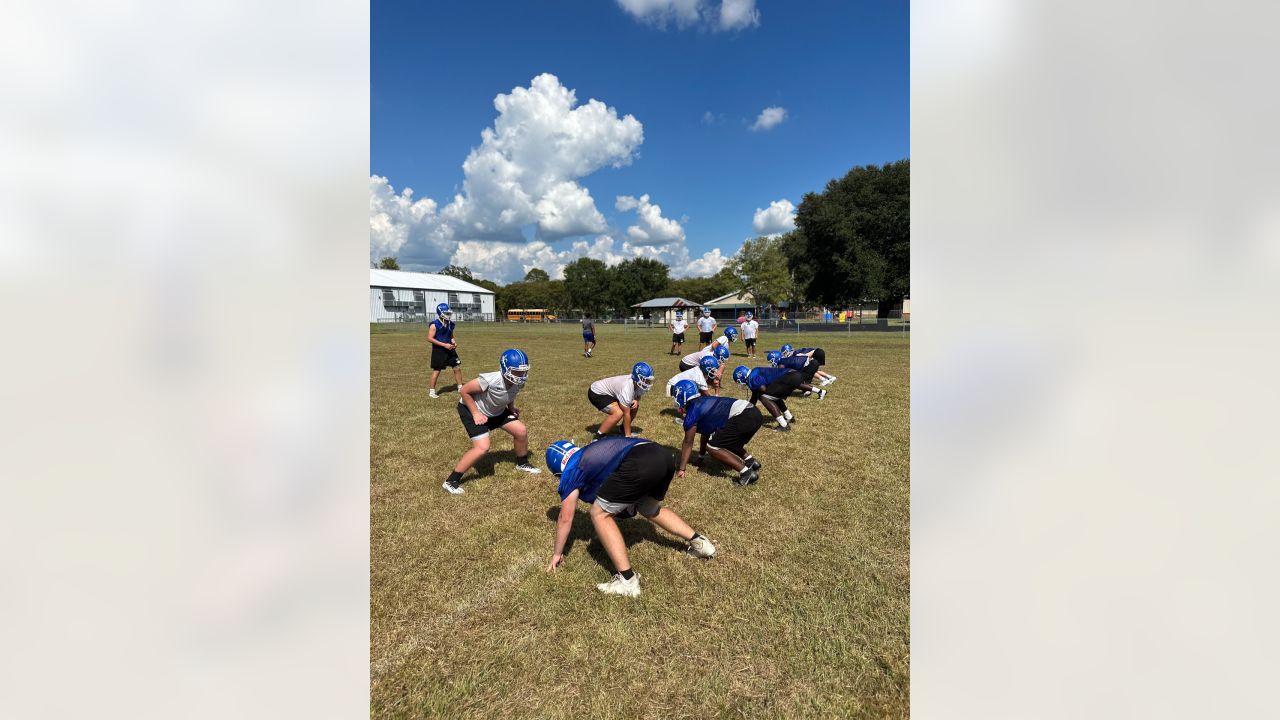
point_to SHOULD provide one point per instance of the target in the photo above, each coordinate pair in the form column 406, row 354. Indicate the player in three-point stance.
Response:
column 750, row 329
column 619, row 397
column 717, row 350
column 773, row 386
column 726, row 425
column 588, row 337
column 730, row 335
column 618, row 477
column 678, row 326
column 706, row 377
column 444, row 348
column 488, row 403
column 706, row 326
column 818, row 356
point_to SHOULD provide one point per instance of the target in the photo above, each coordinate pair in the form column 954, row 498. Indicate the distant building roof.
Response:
column 666, row 302
column 732, row 300
column 420, row 281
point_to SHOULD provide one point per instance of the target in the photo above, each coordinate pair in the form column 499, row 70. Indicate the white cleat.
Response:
column 830, row 380
column 529, row 469
column 701, row 547
column 618, row 586
column 434, row 395
column 822, row 394
column 451, row 488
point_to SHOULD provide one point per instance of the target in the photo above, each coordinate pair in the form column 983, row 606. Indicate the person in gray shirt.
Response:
column 588, row 337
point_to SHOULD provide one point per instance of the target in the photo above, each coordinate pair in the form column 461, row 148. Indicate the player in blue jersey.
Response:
column 816, row 355
column 802, row 364
column 726, row 425
column 618, row 477
column 444, row 348
column 773, row 386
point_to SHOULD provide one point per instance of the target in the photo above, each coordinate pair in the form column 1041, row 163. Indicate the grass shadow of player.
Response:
column 616, row 431
column 710, row 467
column 634, row 530
column 671, row 412
column 487, row 464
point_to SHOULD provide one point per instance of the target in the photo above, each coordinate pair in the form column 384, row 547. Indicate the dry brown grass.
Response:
column 802, row 613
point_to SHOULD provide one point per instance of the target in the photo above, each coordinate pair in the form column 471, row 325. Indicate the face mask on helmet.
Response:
column 721, row 352
column 731, row 333
column 642, row 376
column 683, row 392
column 443, row 312
column 709, row 366
column 773, row 357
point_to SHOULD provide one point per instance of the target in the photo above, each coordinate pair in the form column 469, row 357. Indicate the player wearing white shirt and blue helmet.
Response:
column 750, row 330
column 706, row 377
column 619, row 397
column 706, row 326
column 488, row 403
column 618, row 477
column 716, row 350
column 726, row 425
column 678, row 326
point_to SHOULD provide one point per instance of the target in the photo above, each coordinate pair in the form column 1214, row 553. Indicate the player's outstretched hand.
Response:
column 556, row 560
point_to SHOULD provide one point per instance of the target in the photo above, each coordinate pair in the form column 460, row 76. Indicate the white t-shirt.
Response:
column 621, row 387
column 494, row 395
column 694, row 374
column 706, row 324
column 738, row 406
column 678, row 326
column 696, row 356
column 749, row 329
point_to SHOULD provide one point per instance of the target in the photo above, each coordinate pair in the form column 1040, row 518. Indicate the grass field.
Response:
column 802, row 613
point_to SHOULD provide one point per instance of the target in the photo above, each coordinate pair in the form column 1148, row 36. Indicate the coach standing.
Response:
column 706, row 328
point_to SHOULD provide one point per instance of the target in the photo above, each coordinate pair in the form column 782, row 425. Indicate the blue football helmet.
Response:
column 731, row 333
column 515, row 366
column 749, row 315
column 787, row 350
column 773, row 356
column 679, row 315
column 740, row 374
column 706, row 312
column 721, row 352
column 709, row 366
column 558, row 454
column 443, row 312
column 642, row 375
column 684, row 391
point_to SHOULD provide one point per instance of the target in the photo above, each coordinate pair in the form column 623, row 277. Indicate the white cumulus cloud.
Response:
column 402, row 227
column 770, row 117
column 728, row 15
column 651, row 228
column 779, row 217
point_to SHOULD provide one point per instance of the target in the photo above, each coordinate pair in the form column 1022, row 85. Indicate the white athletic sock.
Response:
column 782, row 421
column 788, row 415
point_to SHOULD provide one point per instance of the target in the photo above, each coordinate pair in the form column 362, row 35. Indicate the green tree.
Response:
column 388, row 263
column 536, row 275
column 587, row 285
column 459, row 271
column 702, row 289
column 635, row 280
column 853, row 240
column 761, row 269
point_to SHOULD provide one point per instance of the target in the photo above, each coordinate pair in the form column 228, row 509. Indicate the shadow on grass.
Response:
column 634, row 530
column 615, row 431
column 486, row 465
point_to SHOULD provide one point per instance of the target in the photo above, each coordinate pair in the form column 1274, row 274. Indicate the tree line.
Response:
column 851, row 244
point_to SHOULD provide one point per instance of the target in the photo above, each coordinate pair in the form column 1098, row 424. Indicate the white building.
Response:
column 398, row 296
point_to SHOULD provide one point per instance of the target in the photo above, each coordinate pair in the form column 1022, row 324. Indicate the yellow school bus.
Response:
column 530, row 315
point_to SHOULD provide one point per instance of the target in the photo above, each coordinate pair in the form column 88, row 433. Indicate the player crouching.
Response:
column 705, row 377
column 619, row 397
column 803, row 364
column 726, row 425
column 488, row 403
column 817, row 356
column 618, row 477
column 772, row 386
column 692, row 360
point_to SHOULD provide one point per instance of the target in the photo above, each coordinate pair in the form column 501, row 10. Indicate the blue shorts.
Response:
column 588, row 337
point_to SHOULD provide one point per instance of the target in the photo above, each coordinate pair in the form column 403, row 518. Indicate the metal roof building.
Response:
column 664, row 308
column 399, row 296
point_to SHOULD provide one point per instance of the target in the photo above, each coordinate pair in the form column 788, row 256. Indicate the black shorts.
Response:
column 646, row 471
column 677, row 338
column 808, row 371
column 705, row 338
column 750, row 343
column 475, row 431
column 736, row 433
column 819, row 357
column 783, row 386
column 442, row 358
column 602, row 402
column 686, row 366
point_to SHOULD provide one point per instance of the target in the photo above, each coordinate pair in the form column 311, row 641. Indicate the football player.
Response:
column 444, row 348
column 716, row 350
column 750, row 329
column 706, row 326
column 678, row 327
column 488, row 403
column 618, row 477
column 819, row 357
column 726, row 425
column 588, row 337
column 706, row 377
column 773, row 386
column 619, row 397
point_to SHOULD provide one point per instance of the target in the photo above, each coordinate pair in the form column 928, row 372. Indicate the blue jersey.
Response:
column 587, row 469
column 762, row 376
column 444, row 331
column 708, row 413
column 795, row 362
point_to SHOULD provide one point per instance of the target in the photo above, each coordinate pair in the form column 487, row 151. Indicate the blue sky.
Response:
column 839, row 69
